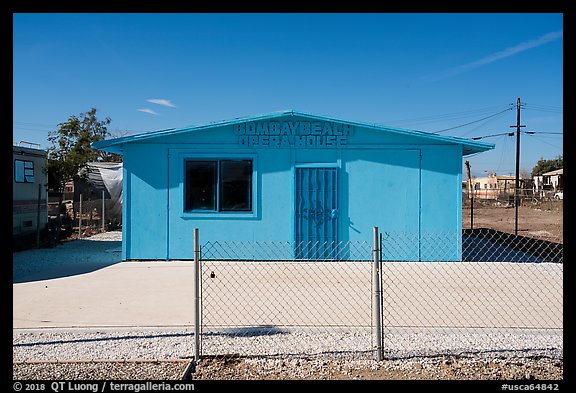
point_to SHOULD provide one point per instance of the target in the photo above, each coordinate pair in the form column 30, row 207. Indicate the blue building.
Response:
column 313, row 181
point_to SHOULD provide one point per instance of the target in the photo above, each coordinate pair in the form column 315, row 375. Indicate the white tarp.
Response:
column 108, row 176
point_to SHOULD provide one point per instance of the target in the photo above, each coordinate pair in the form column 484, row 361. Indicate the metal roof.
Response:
column 556, row 172
column 115, row 145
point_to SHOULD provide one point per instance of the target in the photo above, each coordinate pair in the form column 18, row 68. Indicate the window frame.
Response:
column 25, row 177
column 218, row 212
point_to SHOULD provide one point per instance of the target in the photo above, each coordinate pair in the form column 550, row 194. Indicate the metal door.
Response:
column 316, row 213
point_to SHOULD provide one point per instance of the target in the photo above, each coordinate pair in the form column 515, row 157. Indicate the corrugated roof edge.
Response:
column 468, row 146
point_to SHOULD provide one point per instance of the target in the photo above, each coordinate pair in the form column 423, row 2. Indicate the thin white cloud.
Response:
column 146, row 110
column 511, row 51
column 161, row 101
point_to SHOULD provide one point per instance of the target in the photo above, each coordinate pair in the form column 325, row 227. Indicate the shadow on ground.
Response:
column 71, row 258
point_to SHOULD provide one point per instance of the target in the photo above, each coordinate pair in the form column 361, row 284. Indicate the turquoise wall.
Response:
column 410, row 187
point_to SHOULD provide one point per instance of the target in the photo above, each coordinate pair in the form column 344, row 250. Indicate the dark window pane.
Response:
column 201, row 185
column 23, row 171
column 236, row 185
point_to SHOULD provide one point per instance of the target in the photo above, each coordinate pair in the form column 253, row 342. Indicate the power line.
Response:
column 34, row 128
column 481, row 125
column 544, row 108
column 490, row 136
column 543, row 105
column 472, row 122
column 512, row 134
column 505, row 153
column 543, row 132
column 546, row 143
column 446, row 116
column 31, row 129
column 33, row 124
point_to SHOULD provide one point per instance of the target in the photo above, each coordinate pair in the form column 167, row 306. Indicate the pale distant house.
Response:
column 550, row 181
column 492, row 186
column 29, row 180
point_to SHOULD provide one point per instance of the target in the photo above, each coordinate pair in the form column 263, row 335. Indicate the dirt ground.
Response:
column 435, row 368
column 544, row 220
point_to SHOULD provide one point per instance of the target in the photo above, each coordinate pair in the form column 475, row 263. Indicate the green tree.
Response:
column 71, row 150
column 543, row 166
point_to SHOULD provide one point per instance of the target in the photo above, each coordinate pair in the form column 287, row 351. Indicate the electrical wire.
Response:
column 472, row 122
column 544, row 108
column 542, row 132
column 30, row 129
column 444, row 117
column 33, row 124
column 545, row 142
column 481, row 125
column 504, row 153
column 490, row 136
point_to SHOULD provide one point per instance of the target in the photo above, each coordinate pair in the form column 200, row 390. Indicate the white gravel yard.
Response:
column 298, row 355
column 175, row 344
column 102, row 345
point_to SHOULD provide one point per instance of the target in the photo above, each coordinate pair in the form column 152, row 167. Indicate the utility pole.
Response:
column 517, row 188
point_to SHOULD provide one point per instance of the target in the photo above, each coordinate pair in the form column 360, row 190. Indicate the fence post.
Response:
column 38, row 215
column 103, row 205
column 376, row 296
column 197, row 279
column 79, row 217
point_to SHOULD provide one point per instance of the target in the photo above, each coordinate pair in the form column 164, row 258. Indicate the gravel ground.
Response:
column 345, row 355
column 435, row 368
column 158, row 370
column 353, row 345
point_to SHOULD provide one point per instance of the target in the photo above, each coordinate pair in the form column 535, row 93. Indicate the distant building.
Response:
column 28, row 182
column 493, row 186
column 550, row 181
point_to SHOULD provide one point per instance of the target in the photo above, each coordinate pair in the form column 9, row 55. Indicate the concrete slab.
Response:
column 125, row 294
column 83, row 284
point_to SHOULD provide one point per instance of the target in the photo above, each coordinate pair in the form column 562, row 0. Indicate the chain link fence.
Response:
column 505, row 197
column 437, row 293
column 258, row 299
column 93, row 213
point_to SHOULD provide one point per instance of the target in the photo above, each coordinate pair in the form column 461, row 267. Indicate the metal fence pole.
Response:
column 376, row 296
column 38, row 215
column 197, row 279
column 79, row 217
column 103, row 211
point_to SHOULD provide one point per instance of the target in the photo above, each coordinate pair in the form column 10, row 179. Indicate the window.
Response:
column 23, row 171
column 236, row 185
column 201, row 185
column 223, row 186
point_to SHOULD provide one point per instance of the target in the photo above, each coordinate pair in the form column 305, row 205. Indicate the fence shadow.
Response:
column 491, row 245
column 246, row 331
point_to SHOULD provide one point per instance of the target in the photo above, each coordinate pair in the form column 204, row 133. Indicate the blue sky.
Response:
column 456, row 74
